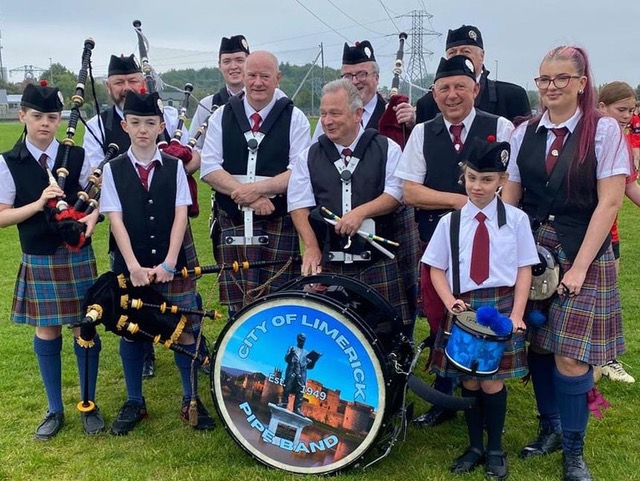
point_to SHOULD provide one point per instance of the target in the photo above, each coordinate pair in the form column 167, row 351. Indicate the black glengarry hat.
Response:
column 465, row 35
column 123, row 65
column 488, row 155
column 234, row 44
column 359, row 53
column 42, row 98
column 456, row 65
column 143, row 104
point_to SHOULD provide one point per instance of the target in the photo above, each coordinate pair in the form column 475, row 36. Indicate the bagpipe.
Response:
column 388, row 124
column 88, row 197
column 64, row 219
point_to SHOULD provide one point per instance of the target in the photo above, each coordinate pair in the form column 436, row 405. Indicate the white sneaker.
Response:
column 616, row 372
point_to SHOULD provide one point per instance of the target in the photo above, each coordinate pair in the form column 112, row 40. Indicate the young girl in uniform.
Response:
column 492, row 272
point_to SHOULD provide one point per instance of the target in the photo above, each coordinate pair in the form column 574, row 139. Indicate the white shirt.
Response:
column 212, row 156
column 204, row 111
column 109, row 199
column 413, row 166
column 300, row 193
column 93, row 151
column 510, row 247
column 7, row 184
column 612, row 154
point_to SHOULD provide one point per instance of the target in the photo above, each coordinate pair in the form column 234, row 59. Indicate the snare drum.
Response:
column 474, row 348
column 356, row 364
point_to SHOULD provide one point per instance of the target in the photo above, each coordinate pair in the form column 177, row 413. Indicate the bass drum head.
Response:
column 344, row 397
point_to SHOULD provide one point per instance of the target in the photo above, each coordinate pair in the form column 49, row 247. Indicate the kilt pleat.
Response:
column 50, row 289
column 587, row 327
column 514, row 359
column 408, row 256
column 239, row 288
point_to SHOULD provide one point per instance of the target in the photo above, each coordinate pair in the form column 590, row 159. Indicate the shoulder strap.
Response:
column 281, row 104
column 455, row 251
column 364, row 142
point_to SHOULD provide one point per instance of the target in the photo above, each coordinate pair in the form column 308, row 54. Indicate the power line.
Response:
column 322, row 21
column 353, row 19
column 389, row 15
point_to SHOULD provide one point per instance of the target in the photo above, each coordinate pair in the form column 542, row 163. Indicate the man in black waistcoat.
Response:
column 249, row 144
column 350, row 172
column 431, row 173
column 500, row 98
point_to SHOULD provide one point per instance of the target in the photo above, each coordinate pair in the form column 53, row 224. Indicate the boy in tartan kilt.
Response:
column 583, row 156
column 493, row 271
column 145, row 195
column 52, row 280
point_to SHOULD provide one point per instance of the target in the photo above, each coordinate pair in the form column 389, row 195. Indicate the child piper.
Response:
column 145, row 195
column 52, row 280
column 494, row 269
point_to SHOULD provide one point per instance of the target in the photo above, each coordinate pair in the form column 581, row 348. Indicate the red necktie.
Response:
column 346, row 155
column 556, row 148
column 456, row 131
column 43, row 161
column 480, row 253
column 255, row 117
column 144, row 172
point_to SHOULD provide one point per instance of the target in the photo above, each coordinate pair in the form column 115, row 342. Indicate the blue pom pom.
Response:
column 502, row 326
column 486, row 315
column 536, row 318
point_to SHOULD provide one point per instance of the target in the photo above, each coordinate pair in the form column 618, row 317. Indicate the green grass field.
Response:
column 162, row 448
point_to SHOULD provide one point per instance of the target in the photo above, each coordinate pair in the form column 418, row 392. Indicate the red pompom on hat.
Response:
column 143, row 90
column 43, row 83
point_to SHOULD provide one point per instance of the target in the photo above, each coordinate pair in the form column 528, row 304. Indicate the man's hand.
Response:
column 405, row 114
column 349, row 224
column 263, row 206
column 246, row 194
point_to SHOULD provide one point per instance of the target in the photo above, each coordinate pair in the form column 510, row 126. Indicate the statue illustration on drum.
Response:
column 298, row 361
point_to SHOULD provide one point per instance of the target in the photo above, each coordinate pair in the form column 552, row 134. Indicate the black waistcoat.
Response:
column 220, row 98
column 147, row 216
column 273, row 153
column 367, row 183
column 377, row 113
column 570, row 219
column 443, row 169
column 36, row 237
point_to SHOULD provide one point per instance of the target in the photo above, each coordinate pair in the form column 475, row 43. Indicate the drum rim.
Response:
column 372, row 348
column 492, row 336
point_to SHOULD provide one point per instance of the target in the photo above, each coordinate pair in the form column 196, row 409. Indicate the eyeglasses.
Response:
column 360, row 76
column 561, row 81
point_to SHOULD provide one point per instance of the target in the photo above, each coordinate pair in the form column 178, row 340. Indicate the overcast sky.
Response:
column 516, row 34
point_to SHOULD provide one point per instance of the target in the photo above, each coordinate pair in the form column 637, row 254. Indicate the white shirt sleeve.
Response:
column 516, row 142
column 212, row 147
column 412, row 165
column 392, row 183
column 199, row 117
column 299, row 134
column 611, row 150
column 183, row 196
column 109, row 200
column 93, row 153
column 7, row 185
column 299, row 192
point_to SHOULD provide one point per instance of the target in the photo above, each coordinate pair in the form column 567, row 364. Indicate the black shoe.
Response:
column 130, row 414
column 50, row 426
column 468, row 461
column 148, row 368
column 574, row 467
column 204, row 423
column 496, row 466
column 547, row 442
column 93, row 422
column 433, row 417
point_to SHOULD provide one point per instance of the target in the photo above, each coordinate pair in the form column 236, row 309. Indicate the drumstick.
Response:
column 365, row 234
column 366, row 237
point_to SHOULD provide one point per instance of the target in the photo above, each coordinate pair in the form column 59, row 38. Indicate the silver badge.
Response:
column 244, row 43
column 60, row 97
column 473, row 35
column 457, row 147
column 554, row 152
column 504, row 157
column 160, row 106
column 469, row 65
column 367, row 52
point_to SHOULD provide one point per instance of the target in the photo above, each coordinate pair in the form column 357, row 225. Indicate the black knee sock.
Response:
column 475, row 419
column 495, row 410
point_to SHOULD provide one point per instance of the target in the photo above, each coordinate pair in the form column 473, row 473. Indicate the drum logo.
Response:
column 299, row 385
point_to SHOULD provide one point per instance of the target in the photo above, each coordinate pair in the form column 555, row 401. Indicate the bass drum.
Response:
column 335, row 341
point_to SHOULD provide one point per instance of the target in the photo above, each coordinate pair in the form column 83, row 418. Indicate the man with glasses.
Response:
column 360, row 67
column 499, row 98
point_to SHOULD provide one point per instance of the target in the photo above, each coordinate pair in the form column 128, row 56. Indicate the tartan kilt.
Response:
column 238, row 289
column 50, row 288
column 408, row 256
column 587, row 327
column 514, row 359
column 182, row 293
column 189, row 247
column 384, row 276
